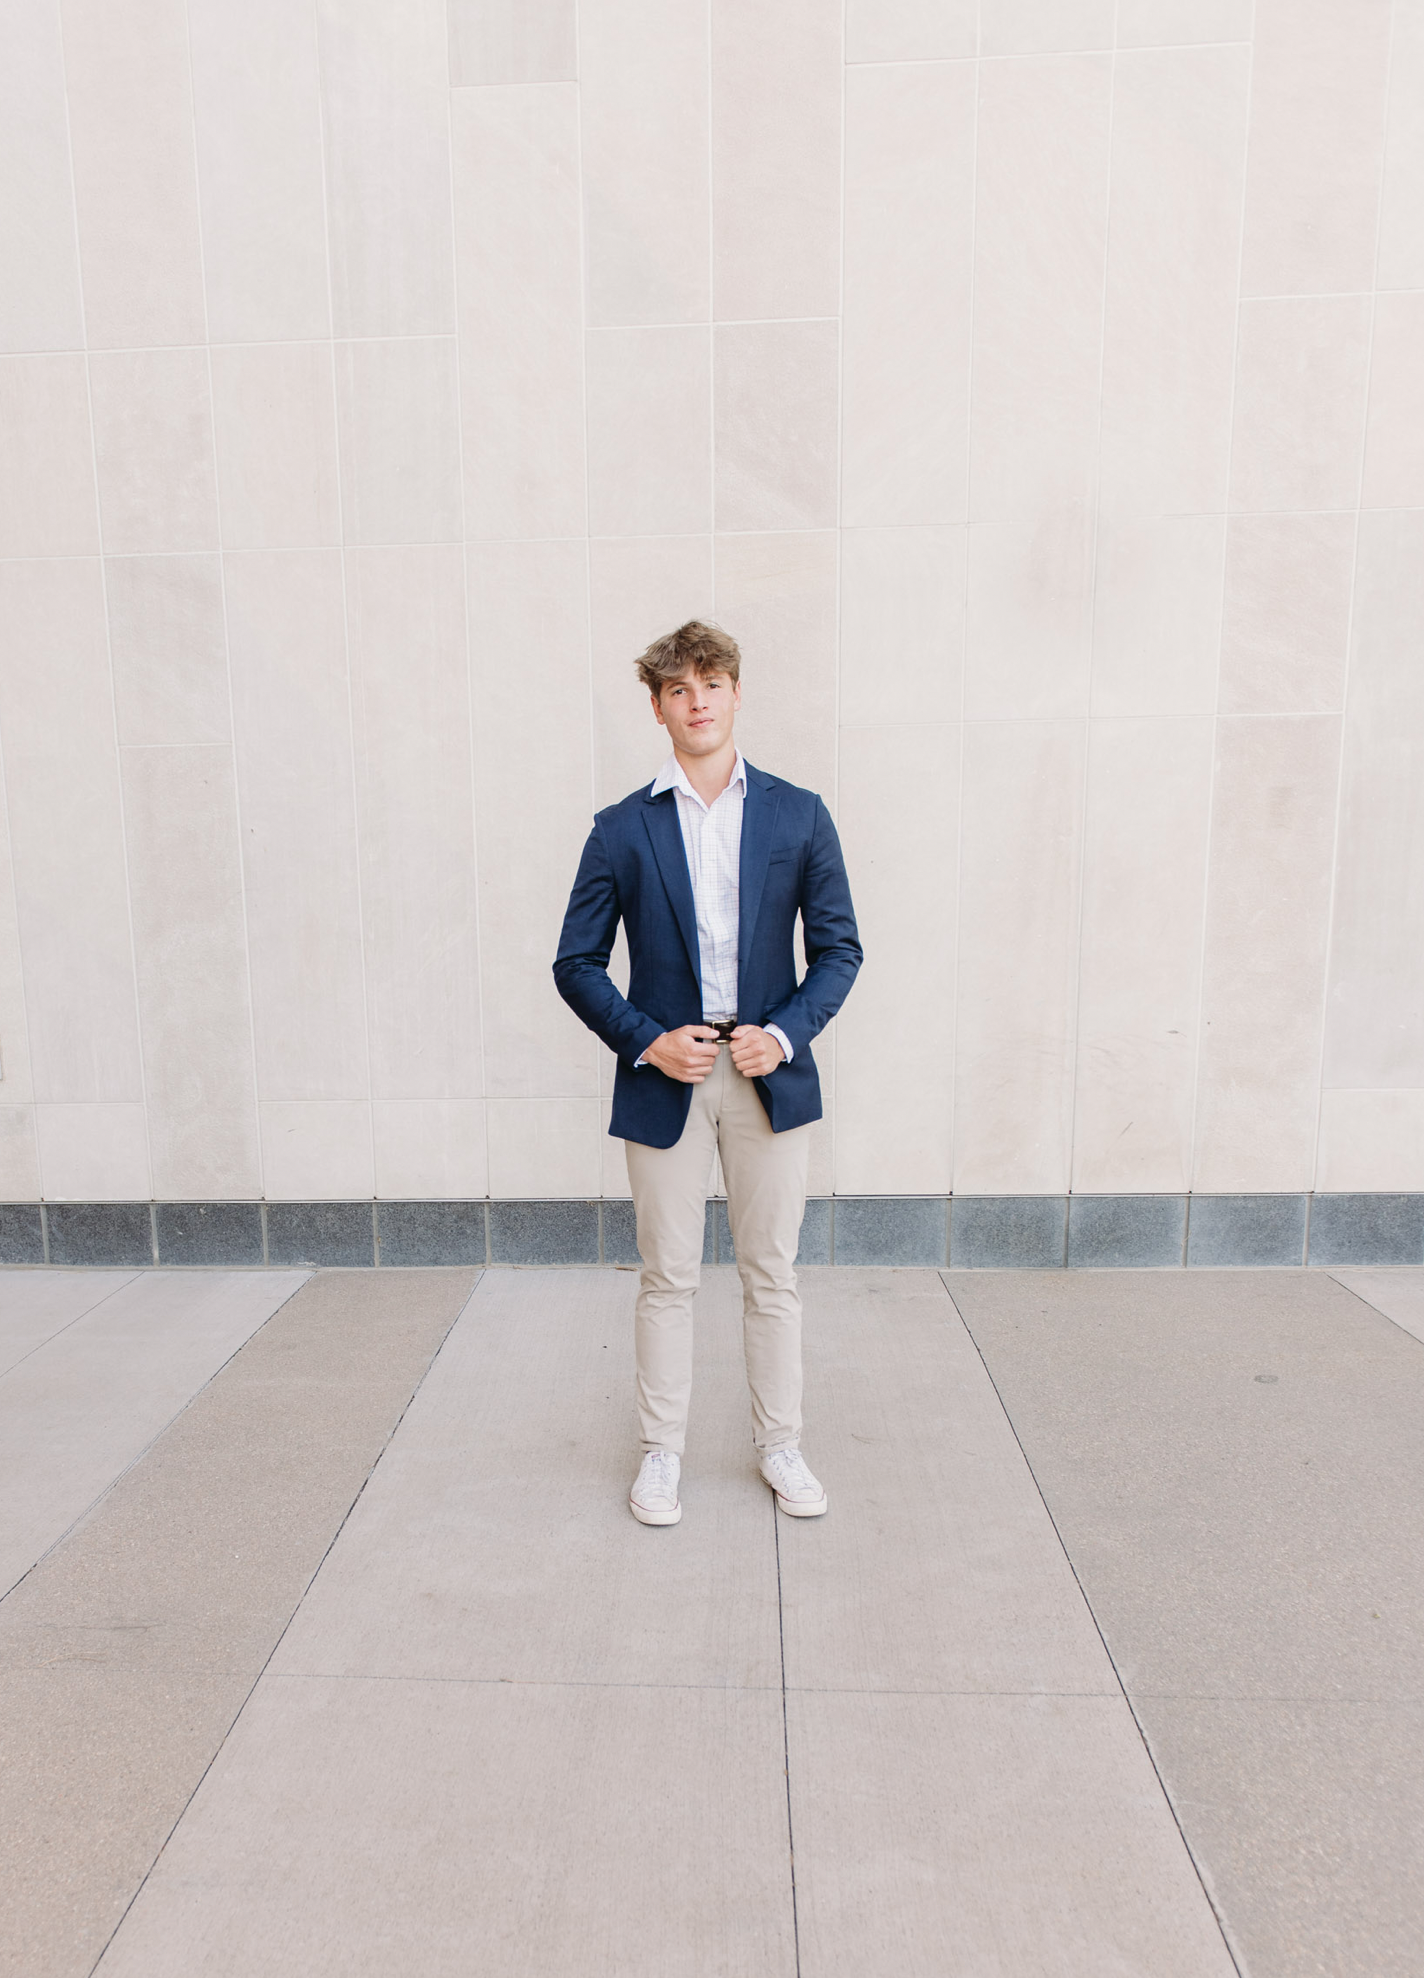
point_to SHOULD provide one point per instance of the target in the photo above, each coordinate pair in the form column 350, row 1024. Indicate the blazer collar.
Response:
column 660, row 818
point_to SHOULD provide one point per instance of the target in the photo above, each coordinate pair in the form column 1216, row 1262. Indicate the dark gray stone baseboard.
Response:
column 963, row 1232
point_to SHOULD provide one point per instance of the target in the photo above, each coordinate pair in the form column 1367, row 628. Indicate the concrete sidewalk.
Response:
column 1106, row 1660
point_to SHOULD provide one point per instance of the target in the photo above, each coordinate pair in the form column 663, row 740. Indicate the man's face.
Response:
column 697, row 712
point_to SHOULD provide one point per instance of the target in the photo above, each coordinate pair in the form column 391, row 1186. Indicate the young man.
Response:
column 708, row 867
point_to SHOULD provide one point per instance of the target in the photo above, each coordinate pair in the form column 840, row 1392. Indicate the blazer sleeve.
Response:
column 833, row 950
column 581, row 965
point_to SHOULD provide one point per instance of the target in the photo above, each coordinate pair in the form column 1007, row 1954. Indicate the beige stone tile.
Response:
column 47, row 499
column 1371, row 1141
column 19, row 1153
column 257, row 113
column 1000, row 1833
column 40, row 308
column 533, row 802
column 502, row 1585
column 357, row 1808
column 87, row 1403
column 1401, row 222
column 776, row 418
column 386, row 120
column 1300, row 403
column 274, row 414
column 1394, row 449
column 1263, row 990
column 643, row 99
column 640, row 588
column 195, row 1011
column 430, row 1148
column 1286, row 622
column 649, row 431
column 776, row 595
column 776, row 138
column 95, row 1151
column 130, row 1650
column 416, row 824
column 1399, row 1294
column 899, row 823
column 153, row 445
column 131, row 135
column 902, row 625
column 1159, row 23
column 1375, row 1026
column 1021, row 848
column 614, row 1156
column 35, row 1305
column 1029, row 624
column 513, row 41
column 397, row 408
column 316, row 1150
column 1317, row 141
column 297, row 803
column 545, row 1147
column 1169, row 340
column 1040, row 244
column 1157, row 614
column 1044, row 27
column 1139, row 991
column 517, row 225
column 168, row 644
column 909, row 179
column 911, row 30
column 14, row 1022
column 66, row 827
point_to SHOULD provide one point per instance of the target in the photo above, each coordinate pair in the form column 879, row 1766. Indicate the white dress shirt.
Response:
column 712, row 840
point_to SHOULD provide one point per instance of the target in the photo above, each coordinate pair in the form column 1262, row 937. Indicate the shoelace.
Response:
column 790, row 1465
column 660, row 1477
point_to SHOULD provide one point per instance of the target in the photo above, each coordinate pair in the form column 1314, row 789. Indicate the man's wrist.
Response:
column 772, row 1030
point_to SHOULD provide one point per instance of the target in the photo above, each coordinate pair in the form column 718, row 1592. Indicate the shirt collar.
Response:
column 672, row 776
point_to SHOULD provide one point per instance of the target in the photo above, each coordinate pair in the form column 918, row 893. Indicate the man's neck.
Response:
column 709, row 775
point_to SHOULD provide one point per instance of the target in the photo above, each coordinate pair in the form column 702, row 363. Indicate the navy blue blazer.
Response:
column 634, row 868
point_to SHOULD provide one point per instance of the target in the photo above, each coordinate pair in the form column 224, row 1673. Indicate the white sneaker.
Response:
column 797, row 1491
column 653, row 1498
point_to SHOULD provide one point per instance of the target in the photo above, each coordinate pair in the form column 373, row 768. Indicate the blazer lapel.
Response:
column 759, row 808
column 660, row 816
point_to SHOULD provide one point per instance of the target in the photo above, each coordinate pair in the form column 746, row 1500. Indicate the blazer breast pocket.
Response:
column 785, row 855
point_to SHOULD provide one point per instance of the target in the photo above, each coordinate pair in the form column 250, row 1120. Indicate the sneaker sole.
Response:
column 655, row 1517
column 816, row 1510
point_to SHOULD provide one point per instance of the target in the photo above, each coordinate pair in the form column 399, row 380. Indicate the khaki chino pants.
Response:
column 765, row 1174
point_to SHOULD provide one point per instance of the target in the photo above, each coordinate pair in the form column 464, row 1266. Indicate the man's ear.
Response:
column 657, row 701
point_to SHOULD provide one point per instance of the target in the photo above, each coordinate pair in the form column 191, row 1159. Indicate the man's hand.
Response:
column 754, row 1053
column 687, row 1054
